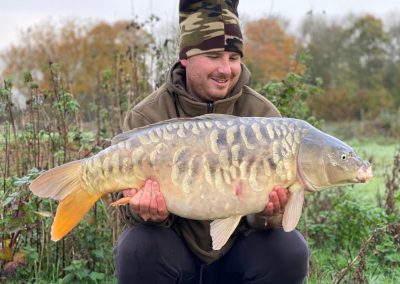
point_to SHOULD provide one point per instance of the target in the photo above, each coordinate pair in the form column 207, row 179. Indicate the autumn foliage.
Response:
column 270, row 52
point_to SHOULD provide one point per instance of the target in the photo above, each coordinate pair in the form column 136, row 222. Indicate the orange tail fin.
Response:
column 70, row 211
column 64, row 183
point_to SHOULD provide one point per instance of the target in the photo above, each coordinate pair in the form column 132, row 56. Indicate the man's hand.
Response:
column 148, row 202
column 277, row 201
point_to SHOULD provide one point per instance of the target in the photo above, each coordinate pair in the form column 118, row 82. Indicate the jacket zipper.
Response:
column 210, row 107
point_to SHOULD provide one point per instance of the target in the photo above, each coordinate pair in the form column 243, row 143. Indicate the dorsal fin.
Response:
column 128, row 134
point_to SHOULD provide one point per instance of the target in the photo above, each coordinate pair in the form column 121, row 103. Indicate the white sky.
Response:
column 17, row 15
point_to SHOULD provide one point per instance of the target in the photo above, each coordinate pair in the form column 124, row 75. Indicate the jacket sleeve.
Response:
column 133, row 120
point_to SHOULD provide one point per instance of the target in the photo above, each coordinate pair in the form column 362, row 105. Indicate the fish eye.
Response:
column 343, row 157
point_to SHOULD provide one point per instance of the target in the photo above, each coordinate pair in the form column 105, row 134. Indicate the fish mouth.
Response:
column 364, row 173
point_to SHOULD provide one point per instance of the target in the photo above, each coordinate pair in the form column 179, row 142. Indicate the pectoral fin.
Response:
column 293, row 209
column 222, row 229
column 121, row 201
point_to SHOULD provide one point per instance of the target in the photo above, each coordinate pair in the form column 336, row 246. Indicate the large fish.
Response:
column 213, row 167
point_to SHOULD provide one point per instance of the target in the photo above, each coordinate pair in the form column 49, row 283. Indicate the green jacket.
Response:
column 171, row 100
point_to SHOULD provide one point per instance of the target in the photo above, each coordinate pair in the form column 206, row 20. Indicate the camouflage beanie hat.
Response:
column 210, row 25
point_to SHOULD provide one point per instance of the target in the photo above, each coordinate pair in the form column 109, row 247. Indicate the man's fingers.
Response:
column 148, row 202
column 135, row 202
column 145, row 201
column 161, row 205
column 275, row 201
column 153, row 201
column 269, row 209
column 282, row 196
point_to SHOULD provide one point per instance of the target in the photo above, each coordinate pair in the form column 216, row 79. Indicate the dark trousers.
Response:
column 149, row 254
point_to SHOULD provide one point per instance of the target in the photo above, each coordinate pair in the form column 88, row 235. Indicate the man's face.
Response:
column 211, row 76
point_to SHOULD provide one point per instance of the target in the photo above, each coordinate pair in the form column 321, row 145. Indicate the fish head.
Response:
column 324, row 161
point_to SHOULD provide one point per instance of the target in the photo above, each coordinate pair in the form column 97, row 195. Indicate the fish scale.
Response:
column 230, row 164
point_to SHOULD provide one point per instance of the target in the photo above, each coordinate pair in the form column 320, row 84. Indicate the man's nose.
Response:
column 224, row 66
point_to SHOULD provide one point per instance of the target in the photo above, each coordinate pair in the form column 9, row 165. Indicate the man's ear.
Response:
column 184, row 62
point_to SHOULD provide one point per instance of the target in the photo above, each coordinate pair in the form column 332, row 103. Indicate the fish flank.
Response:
column 166, row 135
column 245, row 138
column 257, row 132
column 231, row 134
column 153, row 137
column 214, row 141
column 270, row 131
column 181, row 132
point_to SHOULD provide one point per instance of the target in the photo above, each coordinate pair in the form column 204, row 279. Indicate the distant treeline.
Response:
column 108, row 67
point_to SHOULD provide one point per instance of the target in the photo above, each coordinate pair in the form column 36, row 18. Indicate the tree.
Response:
column 95, row 60
column 270, row 52
column 323, row 40
column 351, row 57
column 365, row 44
column 392, row 71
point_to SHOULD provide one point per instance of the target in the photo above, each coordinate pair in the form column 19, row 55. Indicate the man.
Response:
column 163, row 248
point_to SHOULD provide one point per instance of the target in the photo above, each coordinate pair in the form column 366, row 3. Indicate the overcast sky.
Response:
column 17, row 15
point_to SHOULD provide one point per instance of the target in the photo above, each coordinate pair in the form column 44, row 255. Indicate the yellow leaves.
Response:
column 269, row 50
column 81, row 49
column 6, row 253
column 12, row 263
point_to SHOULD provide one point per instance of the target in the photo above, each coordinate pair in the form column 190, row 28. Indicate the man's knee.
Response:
column 135, row 252
column 272, row 256
column 294, row 248
column 137, row 242
column 293, row 255
column 151, row 254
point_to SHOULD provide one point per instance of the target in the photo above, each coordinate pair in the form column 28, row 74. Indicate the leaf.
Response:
column 68, row 278
column 19, row 257
column 6, row 254
column 33, row 173
column 98, row 253
column 9, row 199
column 13, row 226
column 96, row 276
column 46, row 214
